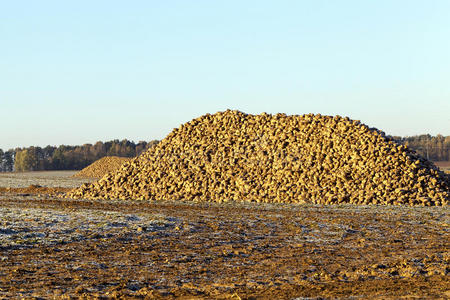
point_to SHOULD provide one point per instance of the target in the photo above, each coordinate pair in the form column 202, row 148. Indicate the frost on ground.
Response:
column 56, row 248
column 52, row 247
column 28, row 227
column 43, row 178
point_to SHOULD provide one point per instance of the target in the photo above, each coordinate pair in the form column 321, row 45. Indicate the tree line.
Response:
column 67, row 157
column 436, row 148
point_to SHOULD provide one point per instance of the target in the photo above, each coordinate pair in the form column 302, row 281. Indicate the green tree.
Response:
column 58, row 158
column 8, row 159
column 2, row 163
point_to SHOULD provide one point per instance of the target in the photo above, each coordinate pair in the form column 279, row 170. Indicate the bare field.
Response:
column 56, row 248
column 42, row 178
column 443, row 165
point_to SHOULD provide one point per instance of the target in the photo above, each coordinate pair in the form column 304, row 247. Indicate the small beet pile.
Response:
column 233, row 156
column 102, row 166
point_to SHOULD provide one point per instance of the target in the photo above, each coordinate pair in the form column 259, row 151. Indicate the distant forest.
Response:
column 436, row 148
column 67, row 157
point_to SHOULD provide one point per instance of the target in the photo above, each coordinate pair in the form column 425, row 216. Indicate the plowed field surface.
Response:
column 55, row 248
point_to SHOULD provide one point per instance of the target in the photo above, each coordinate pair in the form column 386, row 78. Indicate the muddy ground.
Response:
column 56, row 248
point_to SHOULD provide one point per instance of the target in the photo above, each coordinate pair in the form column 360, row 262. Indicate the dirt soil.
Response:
column 57, row 248
column 42, row 178
column 443, row 165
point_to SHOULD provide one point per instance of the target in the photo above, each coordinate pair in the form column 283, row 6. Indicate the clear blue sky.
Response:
column 75, row 72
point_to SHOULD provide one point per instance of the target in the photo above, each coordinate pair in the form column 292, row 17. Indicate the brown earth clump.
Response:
column 233, row 156
column 102, row 166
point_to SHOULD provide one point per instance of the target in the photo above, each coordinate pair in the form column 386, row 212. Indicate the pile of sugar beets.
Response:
column 233, row 156
column 102, row 166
